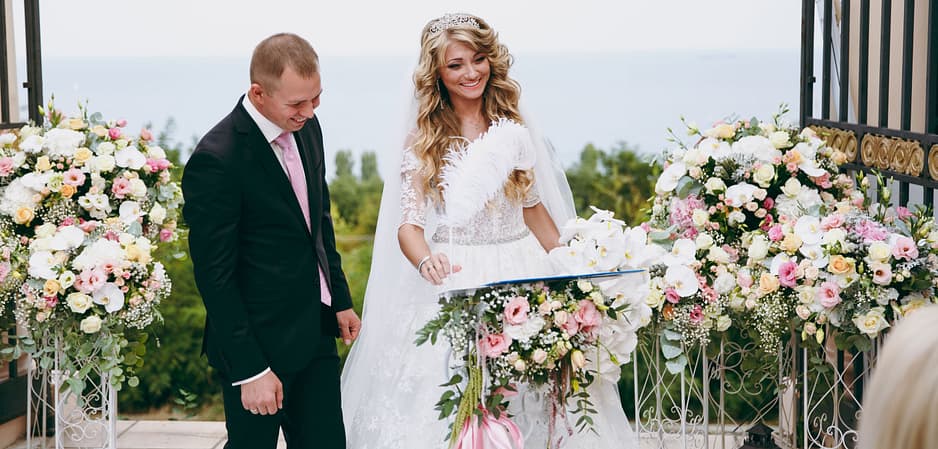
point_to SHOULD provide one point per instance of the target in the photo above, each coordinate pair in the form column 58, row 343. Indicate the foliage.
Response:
column 620, row 180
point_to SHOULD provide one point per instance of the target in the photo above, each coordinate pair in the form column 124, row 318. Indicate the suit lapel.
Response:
column 262, row 155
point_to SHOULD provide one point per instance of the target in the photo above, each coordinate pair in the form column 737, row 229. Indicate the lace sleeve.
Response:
column 413, row 202
column 532, row 197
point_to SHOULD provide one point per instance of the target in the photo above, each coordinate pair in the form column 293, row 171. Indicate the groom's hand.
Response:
column 263, row 396
column 349, row 325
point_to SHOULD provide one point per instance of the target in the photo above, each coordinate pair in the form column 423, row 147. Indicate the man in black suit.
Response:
column 263, row 250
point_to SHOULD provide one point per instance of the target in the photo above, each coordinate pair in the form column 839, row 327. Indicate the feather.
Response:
column 474, row 173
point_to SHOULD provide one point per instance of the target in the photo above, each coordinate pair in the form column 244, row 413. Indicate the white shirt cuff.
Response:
column 252, row 379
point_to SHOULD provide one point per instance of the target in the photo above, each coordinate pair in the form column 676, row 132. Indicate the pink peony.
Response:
column 904, row 248
column 90, row 281
column 829, row 294
column 516, row 311
column 494, row 345
column 788, row 274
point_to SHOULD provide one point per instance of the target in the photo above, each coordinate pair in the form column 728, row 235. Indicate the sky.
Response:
column 124, row 28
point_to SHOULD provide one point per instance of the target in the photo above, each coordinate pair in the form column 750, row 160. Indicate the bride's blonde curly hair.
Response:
column 438, row 127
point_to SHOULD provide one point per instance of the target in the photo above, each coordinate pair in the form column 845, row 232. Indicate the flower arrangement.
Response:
column 555, row 335
column 762, row 232
column 83, row 206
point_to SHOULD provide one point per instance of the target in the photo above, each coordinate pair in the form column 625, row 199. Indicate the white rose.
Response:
column 138, row 188
column 700, row 217
column 695, row 157
column 703, row 241
column 764, row 175
column 91, row 324
column 879, row 251
column 102, row 164
column 802, row 311
column 106, row 148
column 32, row 144
column 78, row 302
column 715, row 185
column 46, row 230
column 792, row 187
column 63, row 142
column 759, row 248
column 7, row 138
column 539, row 356
column 723, row 323
column 158, row 214
column 872, row 322
column 718, row 255
column 780, row 139
column 520, row 365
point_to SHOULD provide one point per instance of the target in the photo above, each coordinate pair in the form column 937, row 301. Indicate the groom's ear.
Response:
column 256, row 92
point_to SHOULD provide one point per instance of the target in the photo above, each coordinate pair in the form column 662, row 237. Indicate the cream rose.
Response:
column 764, row 175
column 91, row 325
column 78, row 302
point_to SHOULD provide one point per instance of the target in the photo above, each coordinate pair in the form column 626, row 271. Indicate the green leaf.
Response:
column 677, row 365
column 671, row 335
column 670, row 350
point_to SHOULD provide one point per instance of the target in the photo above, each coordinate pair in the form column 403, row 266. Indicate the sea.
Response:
column 574, row 99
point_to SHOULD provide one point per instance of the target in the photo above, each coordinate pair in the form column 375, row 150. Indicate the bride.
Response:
column 467, row 104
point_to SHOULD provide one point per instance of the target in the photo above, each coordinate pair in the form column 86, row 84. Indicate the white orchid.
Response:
column 110, row 296
column 682, row 279
column 130, row 211
column 808, row 229
column 683, row 252
column 130, row 157
column 67, row 238
column 740, row 194
column 99, row 252
column 41, row 264
column 669, row 178
column 759, row 147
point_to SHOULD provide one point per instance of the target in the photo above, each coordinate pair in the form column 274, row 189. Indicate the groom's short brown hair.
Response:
column 275, row 53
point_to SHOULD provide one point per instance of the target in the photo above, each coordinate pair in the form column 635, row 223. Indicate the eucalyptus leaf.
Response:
column 677, row 365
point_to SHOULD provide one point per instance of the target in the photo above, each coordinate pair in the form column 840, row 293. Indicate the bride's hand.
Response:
column 437, row 268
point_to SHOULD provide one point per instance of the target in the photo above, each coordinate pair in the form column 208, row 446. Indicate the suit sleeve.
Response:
column 341, row 296
column 212, row 212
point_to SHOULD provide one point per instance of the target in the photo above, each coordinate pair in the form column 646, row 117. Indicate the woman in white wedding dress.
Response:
column 467, row 114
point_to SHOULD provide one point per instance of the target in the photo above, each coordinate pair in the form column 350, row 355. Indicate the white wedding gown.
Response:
column 392, row 406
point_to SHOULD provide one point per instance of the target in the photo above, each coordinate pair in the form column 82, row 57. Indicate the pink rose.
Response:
column 571, row 326
column 68, row 221
column 73, row 177
column 494, row 345
column 744, row 279
column 112, row 236
column 904, row 248
column 6, row 166
column 146, row 135
column 832, row 222
column 156, row 165
column 166, row 235
column 776, row 233
column 516, row 311
column 114, row 133
column 829, row 294
column 788, row 274
column 121, row 187
column 121, row 123
column 672, row 296
column 696, row 315
column 587, row 315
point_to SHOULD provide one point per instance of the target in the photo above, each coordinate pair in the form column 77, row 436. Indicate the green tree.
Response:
column 619, row 180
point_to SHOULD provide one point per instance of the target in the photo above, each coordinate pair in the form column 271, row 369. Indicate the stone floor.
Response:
column 162, row 435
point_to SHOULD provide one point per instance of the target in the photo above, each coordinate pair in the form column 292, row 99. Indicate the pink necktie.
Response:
column 291, row 158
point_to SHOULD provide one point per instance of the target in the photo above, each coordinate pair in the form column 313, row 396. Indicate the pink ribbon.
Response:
column 490, row 433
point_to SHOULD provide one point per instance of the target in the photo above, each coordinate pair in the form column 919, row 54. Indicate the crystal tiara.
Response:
column 453, row 20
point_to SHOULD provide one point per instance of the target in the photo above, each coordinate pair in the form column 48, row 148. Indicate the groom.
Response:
column 263, row 250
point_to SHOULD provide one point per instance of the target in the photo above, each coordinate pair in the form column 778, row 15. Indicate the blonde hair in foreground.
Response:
column 900, row 409
column 437, row 123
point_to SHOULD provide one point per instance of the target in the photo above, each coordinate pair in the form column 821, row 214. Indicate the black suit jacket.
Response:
column 255, row 261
